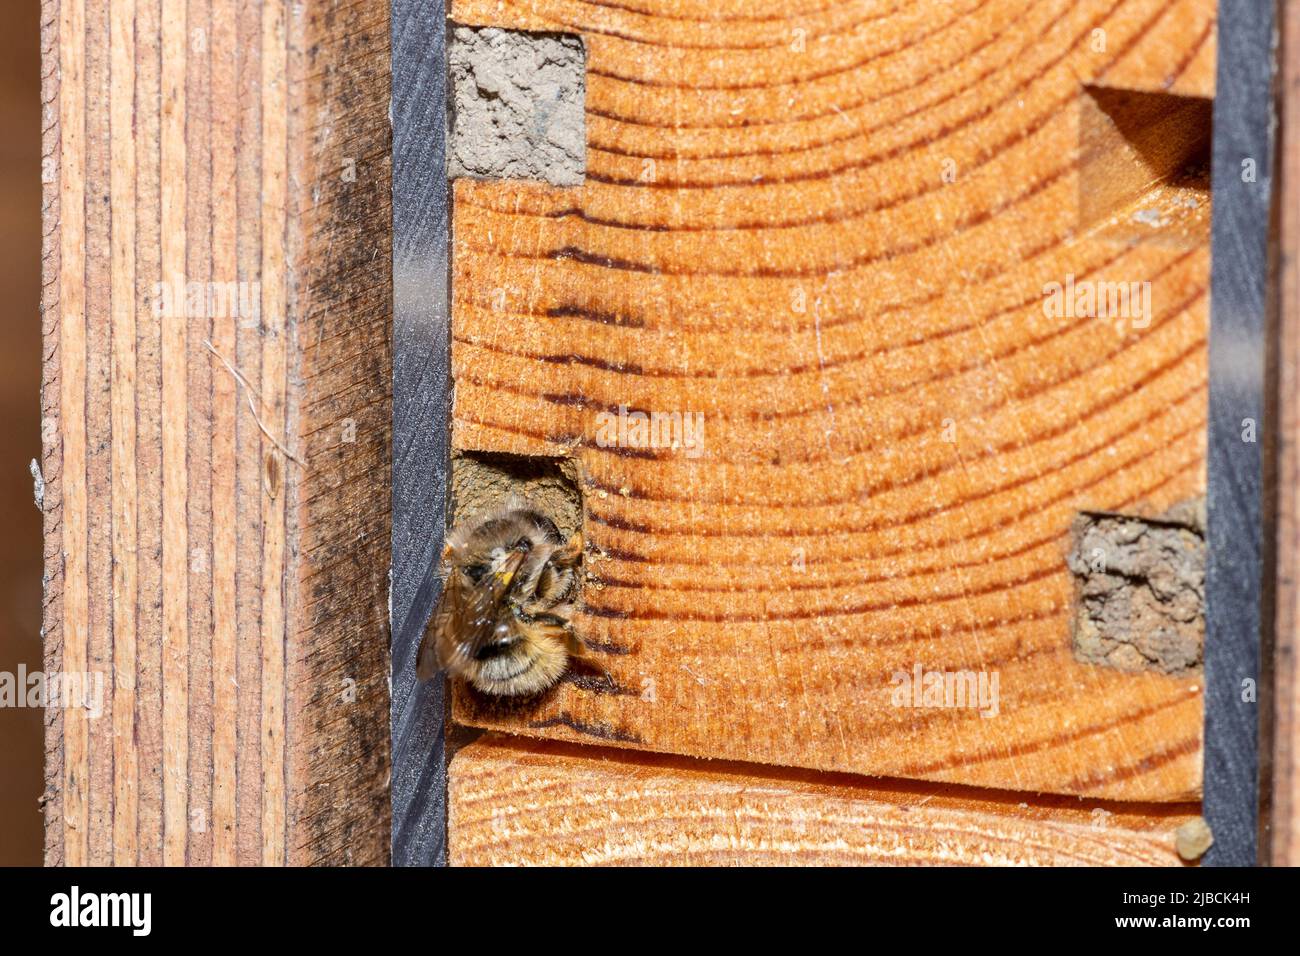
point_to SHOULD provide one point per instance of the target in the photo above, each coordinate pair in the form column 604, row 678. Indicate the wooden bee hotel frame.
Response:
column 274, row 327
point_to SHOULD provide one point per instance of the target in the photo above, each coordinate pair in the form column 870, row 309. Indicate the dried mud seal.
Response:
column 1140, row 590
column 517, row 106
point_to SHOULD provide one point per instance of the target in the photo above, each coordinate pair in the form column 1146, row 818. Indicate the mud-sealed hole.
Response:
column 517, row 105
column 1140, row 590
column 482, row 481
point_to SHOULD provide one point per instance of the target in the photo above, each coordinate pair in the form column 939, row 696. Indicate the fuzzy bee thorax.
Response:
column 503, row 621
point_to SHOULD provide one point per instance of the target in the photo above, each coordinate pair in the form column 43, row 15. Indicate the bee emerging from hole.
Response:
column 503, row 620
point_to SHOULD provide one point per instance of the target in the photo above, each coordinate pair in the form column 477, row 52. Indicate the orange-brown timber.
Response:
column 828, row 229
column 555, row 804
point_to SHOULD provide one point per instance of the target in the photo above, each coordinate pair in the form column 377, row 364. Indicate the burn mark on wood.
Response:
column 608, row 647
column 589, row 678
column 569, row 311
column 600, row 731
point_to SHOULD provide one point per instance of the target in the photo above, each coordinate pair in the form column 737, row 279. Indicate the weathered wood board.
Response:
column 829, row 230
column 551, row 804
column 217, row 411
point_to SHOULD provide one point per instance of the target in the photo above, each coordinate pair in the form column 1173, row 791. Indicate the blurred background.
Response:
column 20, row 432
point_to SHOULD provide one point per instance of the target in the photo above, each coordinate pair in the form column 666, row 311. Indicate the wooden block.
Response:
column 556, row 805
column 216, row 405
column 830, row 234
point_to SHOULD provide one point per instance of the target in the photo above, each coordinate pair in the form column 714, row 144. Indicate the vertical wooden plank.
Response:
column 341, row 303
column 275, row 461
column 250, row 466
column 175, row 426
column 52, row 106
column 224, row 66
column 125, row 583
column 72, row 419
column 233, row 590
column 199, row 372
column 150, row 283
column 98, row 413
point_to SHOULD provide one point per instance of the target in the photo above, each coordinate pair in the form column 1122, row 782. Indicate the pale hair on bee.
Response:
column 503, row 622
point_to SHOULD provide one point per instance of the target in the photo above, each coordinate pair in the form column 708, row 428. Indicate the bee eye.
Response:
column 523, row 544
column 475, row 572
